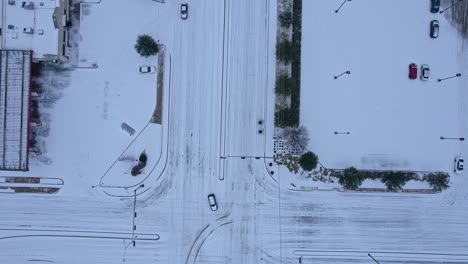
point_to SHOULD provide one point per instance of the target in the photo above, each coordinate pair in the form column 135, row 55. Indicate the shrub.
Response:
column 36, row 69
column 351, row 178
column 308, row 161
column 143, row 157
column 146, row 46
column 286, row 19
column 394, row 180
column 284, row 85
column 285, row 51
column 287, row 117
column 291, row 162
column 439, row 181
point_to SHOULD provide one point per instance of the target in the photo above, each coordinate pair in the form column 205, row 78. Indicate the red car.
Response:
column 413, row 71
column 184, row 11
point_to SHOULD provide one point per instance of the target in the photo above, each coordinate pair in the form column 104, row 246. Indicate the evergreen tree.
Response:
column 146, row 46
column 351, row 178
column 308, row 161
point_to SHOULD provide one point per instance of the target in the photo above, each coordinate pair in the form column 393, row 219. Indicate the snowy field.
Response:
column 214, row 105
column 394, row 122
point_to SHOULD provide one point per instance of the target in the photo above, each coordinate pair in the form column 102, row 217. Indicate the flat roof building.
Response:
column 37, row 25
column 15, row 99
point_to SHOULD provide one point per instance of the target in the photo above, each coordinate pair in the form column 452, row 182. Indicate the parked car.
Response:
column 184, row 11
column 424, row 72
column 434, row 28
column 413, row 71
column 435, row 5
column 212, row 202
column 147, row 69
column 459, row 163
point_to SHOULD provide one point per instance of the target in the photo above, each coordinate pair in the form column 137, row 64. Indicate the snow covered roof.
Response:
column 15, row 72
column 33, row 25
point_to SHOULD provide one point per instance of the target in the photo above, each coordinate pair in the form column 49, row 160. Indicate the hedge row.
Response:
column 351, row 179
column 289, row 52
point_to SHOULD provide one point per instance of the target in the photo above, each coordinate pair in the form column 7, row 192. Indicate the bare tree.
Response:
column 296, row 136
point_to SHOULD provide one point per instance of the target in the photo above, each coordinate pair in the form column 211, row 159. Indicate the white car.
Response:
column 459, row 163
column 147, row 69
column 184, row 11
column 425, row 72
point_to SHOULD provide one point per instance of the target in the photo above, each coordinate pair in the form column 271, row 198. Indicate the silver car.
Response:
column 434, row 32
column 425, row 72
column 459, row 162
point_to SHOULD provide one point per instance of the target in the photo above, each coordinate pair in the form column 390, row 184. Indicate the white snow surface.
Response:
column 38, row 19
column 214, row 104
column 394, row 122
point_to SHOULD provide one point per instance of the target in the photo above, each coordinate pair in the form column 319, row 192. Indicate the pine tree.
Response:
column 146, row 46
column 308, row 161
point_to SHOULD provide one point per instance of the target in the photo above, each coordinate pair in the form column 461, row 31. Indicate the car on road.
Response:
column 413, row 71
column 212, row 202
column 459, row 163
column 184, row 11
column 147, row 69
column 435, row 6
column 425, row 72
column 434, row 28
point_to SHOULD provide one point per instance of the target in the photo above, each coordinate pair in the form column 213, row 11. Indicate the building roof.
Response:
column 31, row 25
column 15, row 86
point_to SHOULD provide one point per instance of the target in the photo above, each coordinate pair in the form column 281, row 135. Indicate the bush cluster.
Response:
column 439, row 181
column 284, row 85
column 351, row 178
column 394, row 180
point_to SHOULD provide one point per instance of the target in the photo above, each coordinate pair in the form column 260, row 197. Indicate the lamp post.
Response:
column 338, row 76
column 342, row 4
column 373, row 258
column 134, row 212
column 450, row 6
column 453, row 138
column 342, row 133
column 454, row 76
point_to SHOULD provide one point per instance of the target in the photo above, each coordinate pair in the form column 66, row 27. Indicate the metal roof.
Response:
column 15, row 74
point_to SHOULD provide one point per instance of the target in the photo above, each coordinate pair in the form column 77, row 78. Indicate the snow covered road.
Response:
column 219, row 59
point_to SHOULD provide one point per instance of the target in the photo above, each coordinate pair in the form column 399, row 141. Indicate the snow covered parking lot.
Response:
column 394, row 122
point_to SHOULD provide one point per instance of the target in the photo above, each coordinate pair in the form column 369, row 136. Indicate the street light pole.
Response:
column 454, row 76
column 342, row 4
column 337, row 76
column 134, row 212
column 342, row 133
column 453, row 138
column 450, row 6
column 373, row 258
